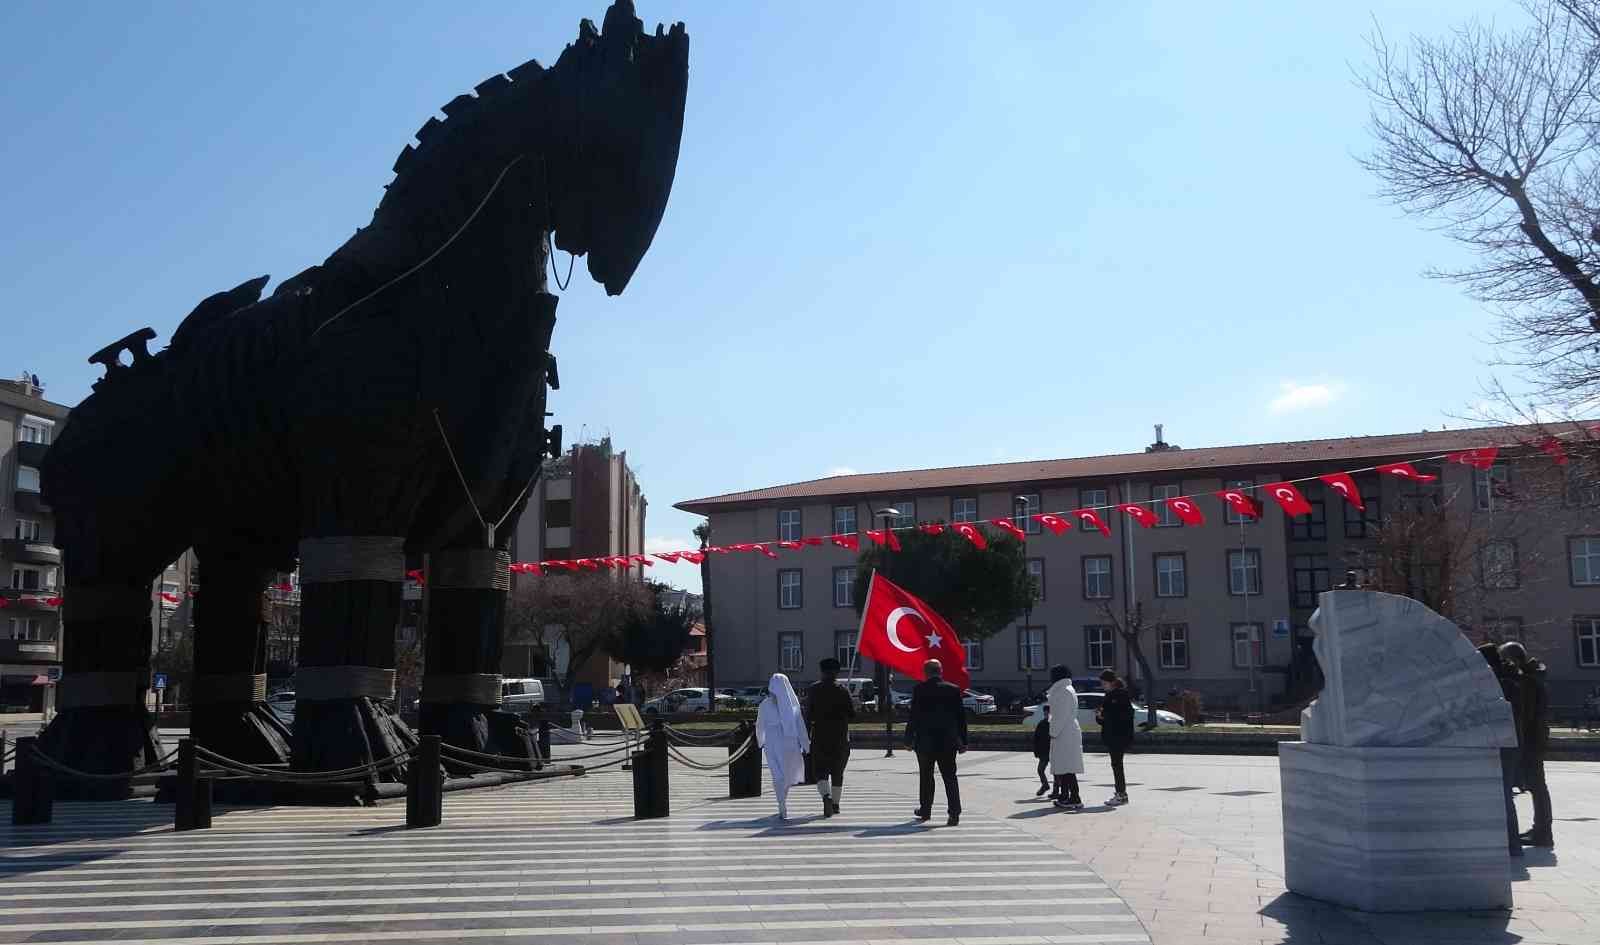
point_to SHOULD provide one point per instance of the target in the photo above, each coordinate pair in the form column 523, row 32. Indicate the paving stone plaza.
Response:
column 1196, row 857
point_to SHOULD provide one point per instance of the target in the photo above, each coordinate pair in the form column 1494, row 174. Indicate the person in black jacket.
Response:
column 1041, row 751
column 1115, row 716
column 830, row 712
column 1534, row 735
column 937, row 732
column 1510, row 758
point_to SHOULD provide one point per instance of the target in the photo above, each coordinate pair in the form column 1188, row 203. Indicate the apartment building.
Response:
column 30, row 561
column 1510, row 552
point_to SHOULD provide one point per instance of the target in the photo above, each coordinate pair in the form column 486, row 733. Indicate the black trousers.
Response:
column 1117, row 774
column 1510, row 763
column 830, row 763
column 946, row 760
column 1044, row 766
column 1534, row 783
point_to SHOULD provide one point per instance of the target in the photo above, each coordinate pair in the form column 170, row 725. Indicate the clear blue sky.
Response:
column 902, row 234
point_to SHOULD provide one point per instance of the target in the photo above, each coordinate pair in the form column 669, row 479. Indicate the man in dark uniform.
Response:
column 1535, row 739
column 829, row 706
column 937, row 732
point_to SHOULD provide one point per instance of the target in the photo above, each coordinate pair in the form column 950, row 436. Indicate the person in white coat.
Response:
column 1066, row 738
column 781, row 733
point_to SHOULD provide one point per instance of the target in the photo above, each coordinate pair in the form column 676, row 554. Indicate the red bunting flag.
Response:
column 791, row 545
column 4, row 603
column 169, row 598
column 53, row 601
column 1241, row 503
column 588, row 564
column 1089, row 518
column 1186, row 511
column 810, row 541
column 902, row 632
column 850, row 542
column 1481, row 458
column 1345, row 486
column 1007, row 525
column 693, row 557
column 973, row 534
column 884, row 537
column 1138, row 513
column 671, row 557
column 1293, row 501
column 742, row 546
column 1552, row 447
column 763, row 550
column 718, row 549
column 1055, row 523
column 932, row 528
column 415, row 574
column 1406, row 471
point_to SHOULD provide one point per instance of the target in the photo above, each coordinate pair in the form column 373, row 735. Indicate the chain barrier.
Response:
column 458, row 751
column 55, row 765
column 692, row 738
column 233, row 766
column 734, row 756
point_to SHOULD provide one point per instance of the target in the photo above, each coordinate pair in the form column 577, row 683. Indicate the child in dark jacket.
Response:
column 1041, row 751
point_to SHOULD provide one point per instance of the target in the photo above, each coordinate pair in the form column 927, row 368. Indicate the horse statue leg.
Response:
column 229, row 712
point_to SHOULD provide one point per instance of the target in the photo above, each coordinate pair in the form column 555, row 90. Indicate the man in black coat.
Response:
column 830, row 710
column 1534, row 736
column 937, row 732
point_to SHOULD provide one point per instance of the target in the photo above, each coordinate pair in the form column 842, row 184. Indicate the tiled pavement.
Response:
column 556, row 861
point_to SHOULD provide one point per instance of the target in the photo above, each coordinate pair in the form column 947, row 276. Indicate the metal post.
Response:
column 744, row 773
column 191, row 808
column 32, row 791
column 544, row 739
column 425, row 785
column 650, row 788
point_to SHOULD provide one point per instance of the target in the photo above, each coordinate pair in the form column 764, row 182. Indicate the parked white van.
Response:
column 517, row 695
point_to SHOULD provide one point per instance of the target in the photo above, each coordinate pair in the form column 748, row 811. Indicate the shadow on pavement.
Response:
column 1309, row 920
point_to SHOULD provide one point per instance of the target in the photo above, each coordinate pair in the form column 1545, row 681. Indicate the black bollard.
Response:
column 191, row 808
column 744, row 772
column 650, row 789
column 544, row 739
column 32, row 791
column 425, row 785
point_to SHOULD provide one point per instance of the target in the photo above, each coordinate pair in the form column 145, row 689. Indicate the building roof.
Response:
column 1343, row 450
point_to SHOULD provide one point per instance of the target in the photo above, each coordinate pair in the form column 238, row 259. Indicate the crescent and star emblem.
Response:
column 892, row 623
column 1341, row 487
column 1286, row 494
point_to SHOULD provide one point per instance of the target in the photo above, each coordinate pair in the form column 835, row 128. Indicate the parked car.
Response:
column 750, row 695
column 692, row 699
column 976, row 703
column 520, row 695
column 282, row 705
column 1089, row 703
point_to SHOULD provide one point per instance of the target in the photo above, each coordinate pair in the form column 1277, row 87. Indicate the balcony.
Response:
column 30, row 651
column 23, row 551
column 31, row 454
column 31, row 503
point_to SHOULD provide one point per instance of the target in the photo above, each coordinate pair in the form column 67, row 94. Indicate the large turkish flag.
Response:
column 901, row 632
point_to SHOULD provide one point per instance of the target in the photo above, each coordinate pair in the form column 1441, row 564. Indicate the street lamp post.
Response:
column 1021, row 502
column 886, row 694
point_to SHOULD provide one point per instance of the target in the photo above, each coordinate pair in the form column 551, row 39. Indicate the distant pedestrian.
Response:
column 937, row 732
column 1510, row 758
column 1535, row 732
column 781, row 733
column 1066, row 738
column 1041, row 751
column 831, row 710
column 1116, row 730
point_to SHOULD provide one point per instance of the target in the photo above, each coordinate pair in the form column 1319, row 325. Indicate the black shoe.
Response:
column 920, row 815
column 834, row 805
column 827, row 808
column 1532, row 839
column 1042, row 788
column 954, row 820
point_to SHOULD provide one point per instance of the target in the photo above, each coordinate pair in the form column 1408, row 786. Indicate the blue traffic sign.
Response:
column 160, row 681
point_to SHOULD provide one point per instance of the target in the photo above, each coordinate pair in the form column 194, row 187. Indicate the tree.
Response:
column 653, row 640
column 1494, row 135
column 978, row 591
column 576, row 615
column 1131, row 629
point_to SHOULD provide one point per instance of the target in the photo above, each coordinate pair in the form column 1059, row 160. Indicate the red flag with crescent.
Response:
column 169, row 598
column 1055, row 523
column 932, row 528
column 851, row 542
column 693, row 557
column 1006, row 524
column 810, row 541
column 1406, row 471
column 1089, row 518
column 1552, row 447
column 670, row 557
column 1187, row 511
column 900, row 631
column 791, row 545
column 1345, row 486
column 1481, row 458
column 53, row 601
column 1138, row 513
column 1240, row 502
column 1292, row 499
column 884, row 537
column 763, row 550
column 971, row 533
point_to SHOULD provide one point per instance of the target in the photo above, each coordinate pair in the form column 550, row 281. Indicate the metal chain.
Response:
column 240, row 767
column 690, row 762
column 50, row 762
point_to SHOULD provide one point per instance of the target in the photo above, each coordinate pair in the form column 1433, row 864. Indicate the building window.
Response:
column 791, row 654
column 1363, row 523
column 907, row 513
column 1174, row 645
column 27, row 479
column 1587, row 632
column 963, row 509
column 33, row 579
column 844, row 520
column 1246, row 645
column 27, row 628
column 1023, row 510
column 789, row 588
column 1244, row 572
column 1583, row 488
column 33, row 430
column 1170, row 577
column 1096, row 577
column 1497, row 563
column 788, row 524
column 1036, row 571
column 844, row 587
column 1491, row 487
column 558, row 513
column 27, row 530
column 1091, row 499
column 974, row 650
column 1165, row 517
column 844, row 649
column 1030, row 648
column 1231, row 516
column 1584, row 554
column 1310, row 574
column 1502, row 630
column 1100, row 647
column 1313, row 526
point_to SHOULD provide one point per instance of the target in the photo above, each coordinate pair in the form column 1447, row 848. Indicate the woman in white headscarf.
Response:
column 781, row 733
column 1066, row 738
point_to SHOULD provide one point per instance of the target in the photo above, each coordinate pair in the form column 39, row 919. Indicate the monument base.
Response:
column 1395, row 829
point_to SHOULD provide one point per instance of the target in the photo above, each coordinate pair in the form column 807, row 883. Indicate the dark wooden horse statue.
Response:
column 389, row 402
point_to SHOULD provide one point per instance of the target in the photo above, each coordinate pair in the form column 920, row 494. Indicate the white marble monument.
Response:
column 1394, row 801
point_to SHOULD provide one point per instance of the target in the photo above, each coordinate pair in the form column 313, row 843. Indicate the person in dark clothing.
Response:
column 1534, row 736
column 1510, row 758
column 830, row 710
column 937, row 732
column 1041, row 751
column 1115, row 716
